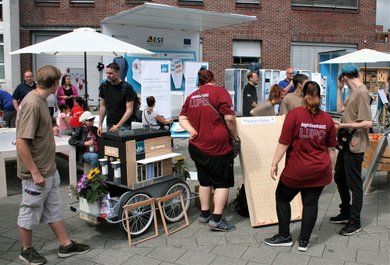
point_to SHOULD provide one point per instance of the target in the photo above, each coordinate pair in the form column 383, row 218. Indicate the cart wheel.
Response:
column 172, row 209
column 139, row 218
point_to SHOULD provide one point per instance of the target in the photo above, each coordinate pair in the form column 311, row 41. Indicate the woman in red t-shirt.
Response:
column 76, row 112
column 308, row 138
column 209, row 145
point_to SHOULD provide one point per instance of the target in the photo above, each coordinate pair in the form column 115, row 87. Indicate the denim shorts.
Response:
column 40, row 204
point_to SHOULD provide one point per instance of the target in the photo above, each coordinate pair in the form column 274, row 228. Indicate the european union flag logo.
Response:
column 164, row 68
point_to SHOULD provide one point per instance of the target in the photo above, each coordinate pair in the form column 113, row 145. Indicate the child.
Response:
column 56, row 130
column 76, row 112
column 63, row 119
column 84, row 138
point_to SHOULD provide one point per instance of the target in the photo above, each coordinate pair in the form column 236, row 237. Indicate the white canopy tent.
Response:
column 83, row 41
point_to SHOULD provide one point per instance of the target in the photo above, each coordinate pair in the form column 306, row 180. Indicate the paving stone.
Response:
column 227, row 261
column 324, row 261
column 335, row 241
column 364, row 243
column 170, row 254
column 211, row 240
column 137, row 260
column 233, row 251
column 112, row 257
column 262, row 254
column 241, row 239
column 370, row 257
column 195, row 258
column 291, row 259
column 74, row 261
column 378, row 236
column 376, row 229
column 384, row 246
column 340, row 253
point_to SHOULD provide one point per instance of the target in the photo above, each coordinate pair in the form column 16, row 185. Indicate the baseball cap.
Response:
column 86, row 116
column 349, row 68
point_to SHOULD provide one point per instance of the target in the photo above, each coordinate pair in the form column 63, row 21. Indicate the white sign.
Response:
column 191, row 70
column 258, row 120
column 156, row 82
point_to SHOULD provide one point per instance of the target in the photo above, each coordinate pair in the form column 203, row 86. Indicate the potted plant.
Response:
column 180, row 168
column 90, row 190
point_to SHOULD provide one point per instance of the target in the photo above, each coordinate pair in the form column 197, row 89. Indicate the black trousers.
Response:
column 284, row 195
column 348, row 178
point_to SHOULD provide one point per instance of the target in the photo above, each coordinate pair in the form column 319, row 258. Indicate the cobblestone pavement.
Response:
column 196, row 244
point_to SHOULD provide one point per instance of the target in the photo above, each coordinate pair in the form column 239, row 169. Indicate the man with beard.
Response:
column 249, row 94
column 117, row 99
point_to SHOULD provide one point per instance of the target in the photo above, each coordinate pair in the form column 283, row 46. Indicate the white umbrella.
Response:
column 84, row 41
column 361, row 56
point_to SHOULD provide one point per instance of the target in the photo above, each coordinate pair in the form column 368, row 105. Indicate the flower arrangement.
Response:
column 91, row 187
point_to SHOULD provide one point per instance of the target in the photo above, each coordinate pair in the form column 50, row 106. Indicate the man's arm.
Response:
column 16, row 104
column 287, row 88
column 354, row 125
column 102, row 114
column 25, row 155
column 125, row 117
column 340, row 106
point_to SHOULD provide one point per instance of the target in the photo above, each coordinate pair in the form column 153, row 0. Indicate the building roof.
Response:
column 175, row 18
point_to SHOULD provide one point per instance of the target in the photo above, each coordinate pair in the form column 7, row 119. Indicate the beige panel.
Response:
column 157, row 146
column 167, row 167
column 259, row 138
column 131, row 165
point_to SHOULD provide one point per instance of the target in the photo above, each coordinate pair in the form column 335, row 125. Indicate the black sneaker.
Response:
column 339, row 219
column 303, row 245
column 350, row 229
column 31, row 256
column 279, row 241
column 73, row 249
column 222, row 225
column 203, row 219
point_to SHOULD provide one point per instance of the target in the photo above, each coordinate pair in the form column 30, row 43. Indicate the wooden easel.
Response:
column 376, row 160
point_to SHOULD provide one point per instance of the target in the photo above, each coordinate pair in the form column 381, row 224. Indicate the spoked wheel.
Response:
column 172, row 209
column 139, row 218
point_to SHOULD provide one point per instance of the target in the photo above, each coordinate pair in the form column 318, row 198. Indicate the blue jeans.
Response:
column 91, row 158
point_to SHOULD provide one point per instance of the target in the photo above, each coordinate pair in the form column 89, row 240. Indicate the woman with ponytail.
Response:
column 308, row 138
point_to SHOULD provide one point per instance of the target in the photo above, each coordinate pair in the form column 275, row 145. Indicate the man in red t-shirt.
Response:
column 209, row 145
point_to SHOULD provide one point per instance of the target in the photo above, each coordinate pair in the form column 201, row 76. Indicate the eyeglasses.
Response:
column 290, row 73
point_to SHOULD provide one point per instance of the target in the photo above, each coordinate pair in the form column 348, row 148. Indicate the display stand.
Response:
column 376, row 160
column 259, row 138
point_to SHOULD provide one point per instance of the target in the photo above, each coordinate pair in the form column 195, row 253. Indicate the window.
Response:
column 47, row 1
column 246, row 52
column 338, row 4
column 2, row 75
column 1, row 10
column 247, row 1
column 81, row 1
column 189, row 1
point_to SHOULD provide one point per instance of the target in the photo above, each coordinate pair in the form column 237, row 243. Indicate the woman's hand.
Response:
column 193, row 134
column 274, row 171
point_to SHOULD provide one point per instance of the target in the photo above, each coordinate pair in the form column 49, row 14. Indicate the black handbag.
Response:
column 236, row 144
column 344, row 136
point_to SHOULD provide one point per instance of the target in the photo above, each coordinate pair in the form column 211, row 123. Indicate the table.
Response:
column 8, row 152
column 174, row 134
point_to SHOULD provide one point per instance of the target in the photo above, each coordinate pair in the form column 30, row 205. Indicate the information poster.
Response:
column 191, row 70
column 156, row 81
column 77, row 78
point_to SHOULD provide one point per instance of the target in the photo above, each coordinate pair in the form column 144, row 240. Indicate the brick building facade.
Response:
column 279, row 25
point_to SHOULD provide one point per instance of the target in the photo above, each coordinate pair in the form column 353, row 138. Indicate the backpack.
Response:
column 240, row 203
column 136, row 115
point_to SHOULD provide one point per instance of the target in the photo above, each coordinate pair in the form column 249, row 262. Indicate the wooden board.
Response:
column 374, row 139
column 259, row 137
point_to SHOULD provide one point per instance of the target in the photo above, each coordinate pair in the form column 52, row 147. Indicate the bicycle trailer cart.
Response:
column 139, row 167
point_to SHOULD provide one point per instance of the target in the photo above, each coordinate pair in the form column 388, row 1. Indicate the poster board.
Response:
column 259, row 137
column 77, row 78
column 156, row 81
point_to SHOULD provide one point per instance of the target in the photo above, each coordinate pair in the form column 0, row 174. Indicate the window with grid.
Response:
column 335, row 4
column 81, row 1
column 190, row 1
column 2, row 75
column 47, row 1
column 247, row 1
column 246, row 52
